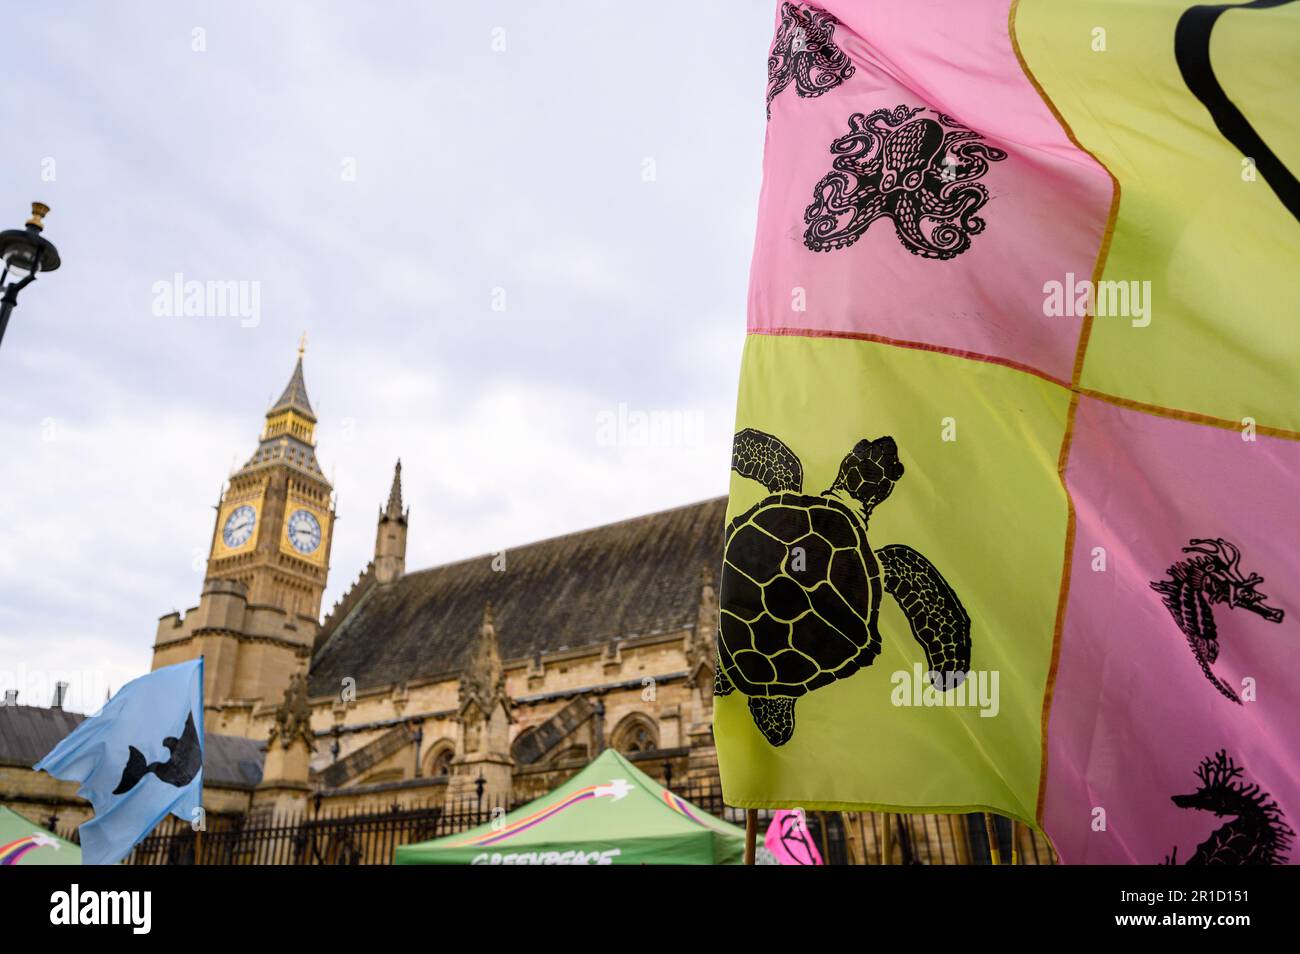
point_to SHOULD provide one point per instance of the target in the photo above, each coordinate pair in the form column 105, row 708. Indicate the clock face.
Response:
column 304, row 531
column 239, row 526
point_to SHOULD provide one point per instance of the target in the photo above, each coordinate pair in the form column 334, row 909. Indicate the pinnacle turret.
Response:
column 394, row 509
column 390, row 535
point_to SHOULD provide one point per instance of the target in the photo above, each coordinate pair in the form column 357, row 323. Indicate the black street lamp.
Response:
column 668, row 774
column 25, row 253
column 479, row 784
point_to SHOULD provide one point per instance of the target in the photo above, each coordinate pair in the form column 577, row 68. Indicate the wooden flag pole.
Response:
column 995, row 854
column 751, row 834
column 887, row 839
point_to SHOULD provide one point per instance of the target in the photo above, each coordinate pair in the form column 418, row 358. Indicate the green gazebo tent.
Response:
column 23, row 842
column 609, row 813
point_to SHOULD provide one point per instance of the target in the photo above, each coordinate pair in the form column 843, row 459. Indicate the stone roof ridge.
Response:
column 345, row 604
column 573, row 534
column 636, row 579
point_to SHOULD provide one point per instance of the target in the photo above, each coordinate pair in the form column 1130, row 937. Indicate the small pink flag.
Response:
column 790, row 841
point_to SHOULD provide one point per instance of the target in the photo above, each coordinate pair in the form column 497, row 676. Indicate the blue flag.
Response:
column 137, row 758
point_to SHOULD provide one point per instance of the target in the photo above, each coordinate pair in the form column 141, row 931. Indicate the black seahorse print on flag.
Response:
column 917, row 170
column 1258, row 833
column 804, row 54
column 1197, row 584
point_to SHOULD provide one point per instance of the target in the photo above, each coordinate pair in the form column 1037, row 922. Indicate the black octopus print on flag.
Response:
column 919, row 171
column 804, row 53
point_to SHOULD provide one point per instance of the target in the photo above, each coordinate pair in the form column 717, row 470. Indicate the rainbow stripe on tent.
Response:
column 23, row 842
column 538, row 817
column 610, row 813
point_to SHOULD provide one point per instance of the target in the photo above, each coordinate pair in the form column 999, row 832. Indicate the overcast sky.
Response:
column 505, row 227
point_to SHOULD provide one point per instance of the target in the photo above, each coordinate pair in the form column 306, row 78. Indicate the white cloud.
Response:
column 474, row 170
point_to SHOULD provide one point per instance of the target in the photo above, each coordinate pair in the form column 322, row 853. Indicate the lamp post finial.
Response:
column 39, row 211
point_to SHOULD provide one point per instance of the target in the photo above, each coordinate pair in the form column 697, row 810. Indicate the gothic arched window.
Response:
column 438, row 761
column 635, row 734
column 442, row 763
column 640, row 740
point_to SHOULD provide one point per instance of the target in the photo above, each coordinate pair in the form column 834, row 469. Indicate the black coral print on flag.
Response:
column 919, row 171
column 1258, row 833
column 801, row 586
column 1196, row 585
column 804, row 53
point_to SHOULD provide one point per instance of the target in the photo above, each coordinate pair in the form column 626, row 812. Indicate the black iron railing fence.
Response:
column 314, row 837
column 856, row 837
column 328, row 837
column 948, row 839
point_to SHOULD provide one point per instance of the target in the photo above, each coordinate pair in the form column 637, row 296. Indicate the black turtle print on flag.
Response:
column 1258, row 833
column 1196, row 584
column 801, row 586
column 919, row 171
column 804, row 54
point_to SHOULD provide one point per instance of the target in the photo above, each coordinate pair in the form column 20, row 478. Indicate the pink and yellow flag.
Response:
column 1017, row 435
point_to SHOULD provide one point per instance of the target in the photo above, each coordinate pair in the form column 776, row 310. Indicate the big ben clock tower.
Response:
column 267, row 567
column 273, row 524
